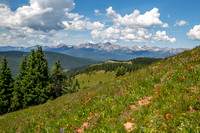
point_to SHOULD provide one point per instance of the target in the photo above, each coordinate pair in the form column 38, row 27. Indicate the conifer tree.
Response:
column 6, row 86
column 36, row 89
column 120, row 71
column 19, row 86
column 57, row 76
column 30, row 81
column 42, row 77
column 23, row 69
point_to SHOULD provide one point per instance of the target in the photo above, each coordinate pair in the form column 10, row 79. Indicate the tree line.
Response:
column 34, row 84
column 120, row 67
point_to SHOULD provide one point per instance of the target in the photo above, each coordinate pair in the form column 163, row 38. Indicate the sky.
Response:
column 161, row 23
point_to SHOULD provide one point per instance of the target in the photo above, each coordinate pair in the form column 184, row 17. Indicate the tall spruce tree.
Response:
column 36, row 90
column 42, row 77
column 57, row 76
column 29, row 81
column 19, row 86
column 6, row 86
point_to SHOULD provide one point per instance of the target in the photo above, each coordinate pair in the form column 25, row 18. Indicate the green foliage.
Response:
column 120, row 71
column 70, row 85
column 33, row 84
column 41, row 76
column 57, row 76
column 36, row 80
column 19, row 86
column 144, row 61
column 6, row 86
column 110, row 66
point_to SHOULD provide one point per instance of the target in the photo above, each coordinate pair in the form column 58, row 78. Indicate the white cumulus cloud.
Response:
column 180, row 23
column 194, row 33
column 44, row 15
column 111, row 34
column 136, row 35
column 161, row 36
column 133, row 27
column 77, row 23
column 135, row 19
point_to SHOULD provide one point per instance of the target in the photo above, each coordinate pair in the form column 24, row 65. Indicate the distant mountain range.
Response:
column 67, row 62
column 104, row 51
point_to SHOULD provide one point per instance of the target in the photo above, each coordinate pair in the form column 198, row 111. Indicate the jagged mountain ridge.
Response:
column 104, row 51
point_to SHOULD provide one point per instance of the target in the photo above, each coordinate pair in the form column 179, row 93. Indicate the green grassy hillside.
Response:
column 94, row 78
column 14, row 60
column 163, row 97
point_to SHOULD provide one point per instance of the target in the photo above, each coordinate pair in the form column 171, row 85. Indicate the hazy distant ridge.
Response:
column 105, row 51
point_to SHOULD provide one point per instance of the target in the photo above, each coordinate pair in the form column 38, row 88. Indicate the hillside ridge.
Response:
column 67, row 61
column 165, row 94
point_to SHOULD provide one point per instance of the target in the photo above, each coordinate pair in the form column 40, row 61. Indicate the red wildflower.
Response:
column 158, row 91
column 90, row 113
column 168, row 115
column 124, row 92
column 129, row 119
column 74, row 127
column 117, row 93
column 156, row 96
column 182, row 79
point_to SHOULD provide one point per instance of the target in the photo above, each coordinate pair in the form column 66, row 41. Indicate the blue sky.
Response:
column 162, row 23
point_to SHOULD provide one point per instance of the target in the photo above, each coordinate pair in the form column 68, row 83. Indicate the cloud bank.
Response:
column 134, row 27
column 194, row 33
column 43, row 20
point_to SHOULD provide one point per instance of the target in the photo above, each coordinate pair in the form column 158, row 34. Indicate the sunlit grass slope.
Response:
column 94, row 78
column 163, row 97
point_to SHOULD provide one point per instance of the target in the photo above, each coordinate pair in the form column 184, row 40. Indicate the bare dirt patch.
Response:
column 192, row 110
column 85, row 125
column 129, row 126
column 142, row 102
column 193, row 88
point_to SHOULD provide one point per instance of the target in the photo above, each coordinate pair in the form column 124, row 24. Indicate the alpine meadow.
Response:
column 99, row 66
